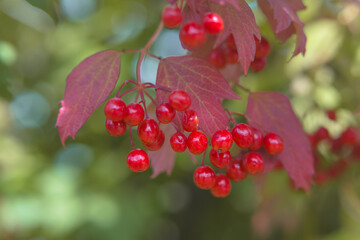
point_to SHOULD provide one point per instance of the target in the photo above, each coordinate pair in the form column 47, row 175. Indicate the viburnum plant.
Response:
column 223, row 42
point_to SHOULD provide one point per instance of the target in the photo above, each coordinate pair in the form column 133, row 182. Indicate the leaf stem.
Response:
column 153, row 56
column 131, row 139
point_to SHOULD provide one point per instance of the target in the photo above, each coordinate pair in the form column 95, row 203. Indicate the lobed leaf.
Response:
column 87, row 86
column 203, row 82
column 272, row 112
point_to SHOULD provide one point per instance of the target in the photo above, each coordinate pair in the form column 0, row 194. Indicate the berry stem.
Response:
column 176, row 128
column 153, row 56
column 131, row 138
column 137, row 96
column 143, row 102
column 123, row 85
column 230, row 116
column 203, row 158
column 146, row 49
column 157, row 86
column 151, row 98
column 129, row 91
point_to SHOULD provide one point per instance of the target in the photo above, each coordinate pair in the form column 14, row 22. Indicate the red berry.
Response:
column 157, row 144
column 258, row 64
column 258, row 139
column 349, row 136
column 217, row 58
column 178, row 142
column 219, row 160
column 320, row 135
column 231, row 56
column 148, row 131
column 197, row 142
column 273, row 143
column 331, row 114
column 253, row 163
column 179, row 100
column 262, row 47
column 114, row 128
column 204, row 177
column 171, row 16
column 165, row 113
column 192, row 34
column 138, row 160
column 134, row 114
column 190, row 120
column 230, row 42
column 235, row 171
column 115, row 109
column 213, row 23
column 222, row 186
column 222, row 141
column 243, row 135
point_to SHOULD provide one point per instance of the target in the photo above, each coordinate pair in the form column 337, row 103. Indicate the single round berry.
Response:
column 165, row 113
column 222, row 186
column 273, row 143
column 230, row 42
column 235, row 171
column 204, row 177
column 258, row 139
column 148, row 131
column 138, row 160
column 253, row 163
column 262, row 47
column 320, row 135
column 222, row 141
column 197, row 142
column 331, row 114
column 171, row 16
column 179, row 100
column 192, row 34
column 213, row 23
column 159, row 142
column 190, row 120
column 219, row 160
column 115, row 109
column 243, row 135
column 134, row 114
column 349, row 136
column 231, row 56
column 217, row 58
column 114, row 128
column 178, row 142
column 258, row 64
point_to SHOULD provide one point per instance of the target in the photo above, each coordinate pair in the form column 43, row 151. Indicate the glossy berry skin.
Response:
column 253, row 163
column 114, row 128
column 148, row 131
column 192, row 35
column 262, row 47
column 138, row 160
column 159, row 142
column 178, row 142
column 197, row 142
column 204, row 177
column 179, row 100
column 115, row 109
column 235, row 171
column 258, row 64
column 219, row 160
column 213, row 23
column 222, row 186
column 217, row 58
column 222, row 141
column 273, row 143
column 190, row 120
column 171, row 16
column 258, row 139
column 134, row 114
column 243, row 135
column 165, row 113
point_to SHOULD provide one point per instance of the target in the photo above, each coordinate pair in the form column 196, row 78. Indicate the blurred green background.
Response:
column 86, row 191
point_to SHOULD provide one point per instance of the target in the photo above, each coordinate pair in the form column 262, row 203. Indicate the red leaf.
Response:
column 241, row 23
column 87, row 86
column 164, row 158
column 284, row 20
column 234, row 3
column 272, row 112
column 198, row 6
column 203, row 82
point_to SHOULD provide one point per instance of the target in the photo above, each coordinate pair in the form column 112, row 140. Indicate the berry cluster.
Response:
column 192, row 34
column 345, row 149
column 262, row 51
column 251, row 162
